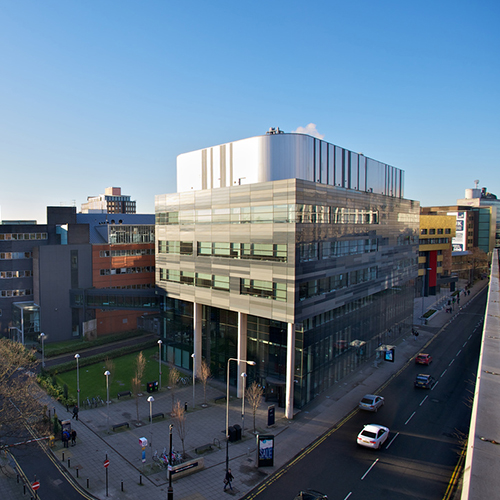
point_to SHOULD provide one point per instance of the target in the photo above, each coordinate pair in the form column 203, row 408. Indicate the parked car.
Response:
column 424, row 381
column 370, row 402
column 423, row 359
column 310, row 495
column 373, row 436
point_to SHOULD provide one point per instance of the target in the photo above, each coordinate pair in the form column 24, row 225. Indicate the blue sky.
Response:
column 108, row 93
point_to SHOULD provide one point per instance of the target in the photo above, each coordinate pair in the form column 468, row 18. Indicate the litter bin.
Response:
column 237, row 429
column 232, row 434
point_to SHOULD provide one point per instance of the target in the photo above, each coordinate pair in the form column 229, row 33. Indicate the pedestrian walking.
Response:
column 75, row 412
column 65, row 439
column 73, row 437
column 227, row 480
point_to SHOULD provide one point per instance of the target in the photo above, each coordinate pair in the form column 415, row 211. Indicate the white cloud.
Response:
column 309, row 130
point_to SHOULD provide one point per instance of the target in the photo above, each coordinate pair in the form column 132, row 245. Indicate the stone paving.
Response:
column 130, row 478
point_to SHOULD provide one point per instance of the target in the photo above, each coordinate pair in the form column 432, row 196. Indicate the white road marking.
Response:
column 392, row 440
column 443, row 373
column 411, row 416
column 464, row 344
column 350, row 493
column 371, row 467
column 459, row 352
column 435, row 385
column 423, row 401
column 469, row 336
column 451, row 362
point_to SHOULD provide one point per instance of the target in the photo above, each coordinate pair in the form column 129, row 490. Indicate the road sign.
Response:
column 35, row 485
column 106, row 463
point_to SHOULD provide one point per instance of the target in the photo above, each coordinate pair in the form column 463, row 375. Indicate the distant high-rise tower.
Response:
column 111, row 202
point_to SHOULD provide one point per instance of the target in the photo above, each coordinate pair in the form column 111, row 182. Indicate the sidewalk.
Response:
column 207, row 426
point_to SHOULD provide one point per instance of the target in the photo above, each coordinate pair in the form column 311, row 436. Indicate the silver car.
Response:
column 370, row 402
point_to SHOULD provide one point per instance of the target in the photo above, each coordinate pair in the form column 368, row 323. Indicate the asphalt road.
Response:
column 427, row 430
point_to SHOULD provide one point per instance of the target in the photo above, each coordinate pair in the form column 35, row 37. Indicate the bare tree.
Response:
column 173, row 379
column 110, row 367
column 254, row 397
column 140, row 364
column 179, row 418
column 19, row 392
column 136, row 390
column 204, row 375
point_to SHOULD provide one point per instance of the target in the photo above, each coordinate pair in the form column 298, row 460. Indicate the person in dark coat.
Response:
column 65, row 438
column 73, row 437
column 227, row 480
column 75, row 412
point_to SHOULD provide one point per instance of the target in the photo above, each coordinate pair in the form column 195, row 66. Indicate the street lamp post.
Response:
column 107, row 373
column 170, row 489
column 423, row 292
column 244, row 379
column 150, row 401
column 77, row 357
column 194, row 378
column 42, row 337
column 159, row 362
column 252, row 363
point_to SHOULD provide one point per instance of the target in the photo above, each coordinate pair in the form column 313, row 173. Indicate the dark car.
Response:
column 310, row 495
column 424, row 381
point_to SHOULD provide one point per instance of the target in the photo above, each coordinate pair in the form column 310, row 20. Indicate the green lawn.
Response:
column 93, row 380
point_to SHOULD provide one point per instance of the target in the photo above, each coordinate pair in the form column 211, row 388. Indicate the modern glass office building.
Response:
column 288, row 251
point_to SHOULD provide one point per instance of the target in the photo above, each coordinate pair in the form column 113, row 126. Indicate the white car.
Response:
column 370, row 402
column 373, row 436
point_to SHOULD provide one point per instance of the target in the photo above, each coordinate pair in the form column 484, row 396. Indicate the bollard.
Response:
column 77, row 469
column 185, row 406
column 63, row 456
column 18, row 479
column 88, row 483
column 122, row 485
column 24, row 489
column 69, row 463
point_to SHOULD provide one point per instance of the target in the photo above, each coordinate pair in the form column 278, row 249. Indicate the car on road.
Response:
column 373, row 436
column 423, row 359
column 310, row 495
column 424, row 381
column 370, row 402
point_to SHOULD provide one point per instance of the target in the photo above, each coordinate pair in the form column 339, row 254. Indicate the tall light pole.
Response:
column 159, row 361
column 252, row 363
column 42, row 338
column 423, row 292
column 150, row 401
column 107, row 396
column 77, row 357
column 194, row 377
column 170, row 489
column 243, row 383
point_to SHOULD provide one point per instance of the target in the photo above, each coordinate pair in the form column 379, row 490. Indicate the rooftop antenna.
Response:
column 476, row 182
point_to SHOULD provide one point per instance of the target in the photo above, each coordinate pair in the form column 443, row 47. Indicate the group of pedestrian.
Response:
column 66, row 436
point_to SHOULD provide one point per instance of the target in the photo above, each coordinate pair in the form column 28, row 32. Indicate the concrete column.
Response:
column 290, row 371
column 197, row 327
column 242, row 350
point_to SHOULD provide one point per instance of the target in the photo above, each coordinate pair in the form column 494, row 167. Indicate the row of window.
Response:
column 292, row 213
column 126, row 253
column 16, row 293
column 15, row 255
column 143, row 286
column 23, row 236
column 327, row 249
column 251, row 251
column 433, row 241
column 127, row 270
column 326, row 317
column 320, row 286
column 254, row 288
column 197, row 279
column 15, row 274
column 436, row 231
